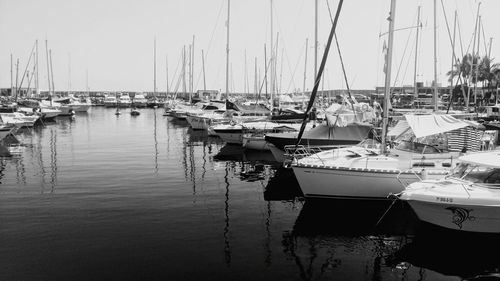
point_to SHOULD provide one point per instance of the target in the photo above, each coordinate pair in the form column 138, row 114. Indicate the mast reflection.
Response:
column 53, row 160
column 227, row 246
column 155, row 143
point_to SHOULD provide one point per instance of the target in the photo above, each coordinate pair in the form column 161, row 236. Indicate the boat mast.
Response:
column 305, row 69
column 166, row 70
column 435, row 96
column 452, row 57
column 48, row 67
column 184, row 71
column 52, row 72
column 192, row 66
column 255, row 79
column 387, row 93
column 473, row 53
column 203, row 68
column 271, row 72
column 11, row 77
column 227, row 50
column 265, row 67
column 476, row 73
column 87, row 80
column 17, row 78
column 37, row 86
column 315, row 38
column 69, row 76
column 415, row 88
column 154, row 70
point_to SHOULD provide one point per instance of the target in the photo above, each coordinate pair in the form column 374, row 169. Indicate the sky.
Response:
column 110, row 43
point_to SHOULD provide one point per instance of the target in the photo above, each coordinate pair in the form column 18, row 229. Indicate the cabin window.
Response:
column 477, row 174
column 424, row 164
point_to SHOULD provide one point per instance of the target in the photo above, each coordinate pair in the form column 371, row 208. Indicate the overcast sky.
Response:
column 113, row 40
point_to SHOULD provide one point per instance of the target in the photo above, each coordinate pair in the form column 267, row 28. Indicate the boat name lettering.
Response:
column 444, row 199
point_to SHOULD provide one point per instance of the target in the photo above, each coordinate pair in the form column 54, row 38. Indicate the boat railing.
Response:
column 405, row 183
column 296, row 152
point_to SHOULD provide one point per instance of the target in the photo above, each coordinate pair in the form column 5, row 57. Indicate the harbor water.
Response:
column 104, row 197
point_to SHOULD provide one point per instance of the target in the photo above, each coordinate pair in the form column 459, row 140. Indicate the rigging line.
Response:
column 282, row 40
column 173, row 77
column 200, row 74
column 342, row 63
column 295, row 70
column 26, row 69
column 449, row 33
column 402, row 58
column 460, row 36
column 318, row 76
column 484, row 37
column 406, row 68
column 263, row 80
column 399, row 29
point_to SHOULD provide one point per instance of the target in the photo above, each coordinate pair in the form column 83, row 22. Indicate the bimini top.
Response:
column 429, row 124
column 489, row 158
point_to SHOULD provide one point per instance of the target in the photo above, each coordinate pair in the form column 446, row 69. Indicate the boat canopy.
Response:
column 490, row 159
column 429, row 124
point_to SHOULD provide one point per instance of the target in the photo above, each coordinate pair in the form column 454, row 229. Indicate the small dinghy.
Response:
column 135, row 112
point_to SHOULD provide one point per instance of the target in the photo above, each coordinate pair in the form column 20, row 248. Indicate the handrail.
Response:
column 405, row 184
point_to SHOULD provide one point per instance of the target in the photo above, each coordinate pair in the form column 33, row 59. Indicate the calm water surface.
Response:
column 101, row 197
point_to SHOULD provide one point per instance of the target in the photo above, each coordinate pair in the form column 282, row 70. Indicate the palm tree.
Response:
column 486, row 73
column 464, row 69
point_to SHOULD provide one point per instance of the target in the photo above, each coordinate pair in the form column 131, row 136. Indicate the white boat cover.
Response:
column 428, row 124
column 490, row 158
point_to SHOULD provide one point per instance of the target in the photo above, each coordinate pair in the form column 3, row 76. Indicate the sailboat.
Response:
column 366, row 171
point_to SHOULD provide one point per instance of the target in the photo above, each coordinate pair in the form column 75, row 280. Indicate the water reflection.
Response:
column 467, row 255
column 233, row 152
column 53, row 160
column 155, row 143
column 3, row 163
column 283, row 185
column 227, row 246
column 329, row 236
column 354, row 218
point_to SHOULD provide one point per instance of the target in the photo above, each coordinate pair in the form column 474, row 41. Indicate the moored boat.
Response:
column 363, row 172
column 466, row 200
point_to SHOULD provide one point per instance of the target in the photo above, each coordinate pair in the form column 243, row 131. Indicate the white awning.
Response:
column 431, row 124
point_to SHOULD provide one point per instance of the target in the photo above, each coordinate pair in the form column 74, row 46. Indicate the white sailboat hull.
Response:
column 80, row 107
column 331, row 182
column 255, row 143
column 198, row 123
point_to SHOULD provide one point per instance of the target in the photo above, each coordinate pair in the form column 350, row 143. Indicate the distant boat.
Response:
column 139, row 101
column 467, row 200
column 110, row 101
column 124, row 101
column 134, row 112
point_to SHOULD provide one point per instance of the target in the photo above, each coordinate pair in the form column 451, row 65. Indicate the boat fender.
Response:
column 423, row 174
